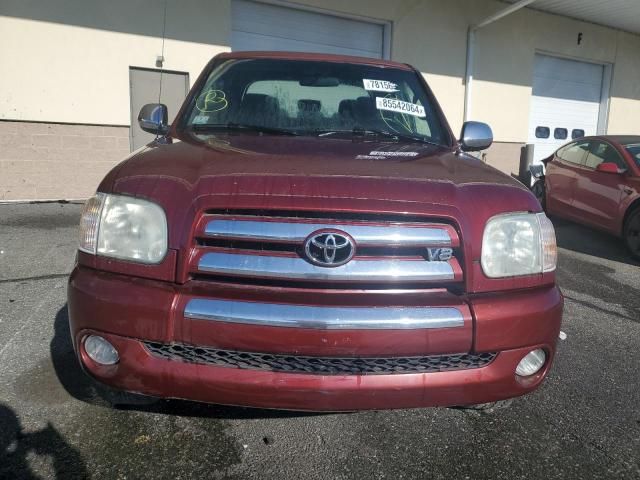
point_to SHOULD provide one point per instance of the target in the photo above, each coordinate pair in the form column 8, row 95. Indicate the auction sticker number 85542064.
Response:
column 399, row 106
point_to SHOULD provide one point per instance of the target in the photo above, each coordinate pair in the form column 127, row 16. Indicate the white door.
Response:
column 260, row 26
column 565, row 103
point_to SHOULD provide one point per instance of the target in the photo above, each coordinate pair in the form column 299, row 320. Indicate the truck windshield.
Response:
column 315, row 98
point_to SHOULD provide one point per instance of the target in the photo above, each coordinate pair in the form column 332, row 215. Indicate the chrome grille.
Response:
column 285, row 230
column 318, row 365
column 270, row 248
column 275, row 267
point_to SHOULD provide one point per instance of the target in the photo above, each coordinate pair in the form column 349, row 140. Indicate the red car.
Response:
column 309, row 234
column 595, row 181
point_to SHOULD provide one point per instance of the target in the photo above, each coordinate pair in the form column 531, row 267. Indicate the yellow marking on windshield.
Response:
column 212, row 101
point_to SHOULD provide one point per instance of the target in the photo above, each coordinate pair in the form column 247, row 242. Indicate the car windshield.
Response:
column 634, row 150
column 316, row 98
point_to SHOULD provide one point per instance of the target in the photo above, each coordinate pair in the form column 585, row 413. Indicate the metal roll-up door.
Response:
column 260, row 26
column 565, row 102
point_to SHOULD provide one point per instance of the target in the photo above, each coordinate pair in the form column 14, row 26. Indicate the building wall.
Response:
column 57, row 161
column 70, row 64
column 505, row 51
column 624, row 110
column 71, row 69
column 72, row 60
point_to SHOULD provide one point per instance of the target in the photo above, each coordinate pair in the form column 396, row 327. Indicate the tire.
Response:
column 538, row 189
column 631, row 233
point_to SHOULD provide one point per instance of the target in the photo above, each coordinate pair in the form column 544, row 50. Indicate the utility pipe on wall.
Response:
column 471, row 40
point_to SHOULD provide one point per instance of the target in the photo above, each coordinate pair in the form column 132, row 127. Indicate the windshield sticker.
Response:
column 394, row 154
column 201, row 119
column 393, row 105
column 212, row 101
column 379, row 85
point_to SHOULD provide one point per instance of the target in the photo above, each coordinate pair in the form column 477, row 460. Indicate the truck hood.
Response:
column 249, row 170
column 197, row 160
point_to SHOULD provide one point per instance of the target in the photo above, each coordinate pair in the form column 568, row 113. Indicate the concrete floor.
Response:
column 583, row 423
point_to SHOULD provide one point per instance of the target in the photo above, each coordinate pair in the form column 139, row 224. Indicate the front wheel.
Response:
column 632, row 233
column 538, row 189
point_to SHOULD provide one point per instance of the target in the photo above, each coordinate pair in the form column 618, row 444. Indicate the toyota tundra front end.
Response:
column 310, row 235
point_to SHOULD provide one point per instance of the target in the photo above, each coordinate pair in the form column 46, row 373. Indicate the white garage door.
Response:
column 259, row 26
column 565, row 102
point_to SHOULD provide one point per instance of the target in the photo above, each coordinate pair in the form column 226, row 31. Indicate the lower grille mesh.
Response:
column 318, row 365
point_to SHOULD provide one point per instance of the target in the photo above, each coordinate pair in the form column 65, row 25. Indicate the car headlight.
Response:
column 518, row 244
column 123, row 227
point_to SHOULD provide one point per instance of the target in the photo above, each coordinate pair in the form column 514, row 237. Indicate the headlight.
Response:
column 123, row 227
column 518, row 244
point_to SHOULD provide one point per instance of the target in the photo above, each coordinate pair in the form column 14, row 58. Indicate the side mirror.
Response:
column 153, row 118
column 608, row 167
column 475, row 136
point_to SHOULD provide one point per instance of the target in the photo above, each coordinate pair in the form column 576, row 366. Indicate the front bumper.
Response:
column 129, row 311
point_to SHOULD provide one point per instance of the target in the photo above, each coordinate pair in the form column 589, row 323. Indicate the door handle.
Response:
column 627, row 190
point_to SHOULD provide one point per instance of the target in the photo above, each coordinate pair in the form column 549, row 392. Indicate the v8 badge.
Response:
column 439, row 254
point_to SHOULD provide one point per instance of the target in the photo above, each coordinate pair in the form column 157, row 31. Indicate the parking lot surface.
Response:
column 584, row 422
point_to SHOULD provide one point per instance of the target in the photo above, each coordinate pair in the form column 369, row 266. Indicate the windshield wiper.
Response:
column 377, row 133
column 206, row 127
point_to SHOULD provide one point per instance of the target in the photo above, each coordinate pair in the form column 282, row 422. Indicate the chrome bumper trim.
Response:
column 295, row 232
column 324, row 318
column 294, row 268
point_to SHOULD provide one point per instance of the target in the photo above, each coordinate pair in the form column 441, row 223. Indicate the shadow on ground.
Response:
column 581, row 239
column 80, row 386
column 16, row 446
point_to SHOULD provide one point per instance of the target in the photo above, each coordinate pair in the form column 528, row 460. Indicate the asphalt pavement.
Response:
column 584, row 422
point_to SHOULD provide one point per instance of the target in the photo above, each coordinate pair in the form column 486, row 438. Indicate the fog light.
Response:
column 531, row 363
column 100, row 350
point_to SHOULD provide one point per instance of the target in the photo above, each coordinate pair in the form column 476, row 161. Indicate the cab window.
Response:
column 574, row 152
column 602, row 152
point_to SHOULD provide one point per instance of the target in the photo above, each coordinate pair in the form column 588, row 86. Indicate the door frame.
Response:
column 134, row 115
column 387, row 25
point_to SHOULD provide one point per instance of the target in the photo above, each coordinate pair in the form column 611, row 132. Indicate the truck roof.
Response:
column 317, row 57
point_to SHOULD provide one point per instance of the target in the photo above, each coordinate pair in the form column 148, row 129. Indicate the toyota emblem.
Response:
column 329, row 248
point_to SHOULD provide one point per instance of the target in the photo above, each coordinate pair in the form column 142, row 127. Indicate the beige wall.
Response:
column 69, row 62
column 624, row 111
column 56, row 161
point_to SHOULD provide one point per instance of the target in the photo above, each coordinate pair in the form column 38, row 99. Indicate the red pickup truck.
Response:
column 309, row 234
